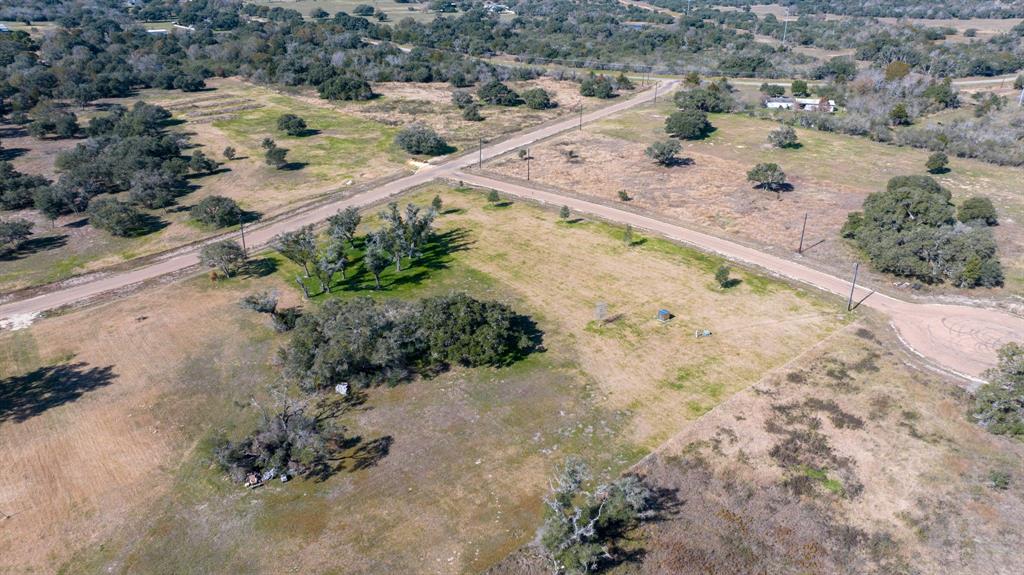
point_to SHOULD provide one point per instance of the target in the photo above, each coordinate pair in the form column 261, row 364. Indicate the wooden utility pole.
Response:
column 853, row 286
column 655, row 93
column 241, row 228
column 800, row 249
column 480, row 162
column 527, row 164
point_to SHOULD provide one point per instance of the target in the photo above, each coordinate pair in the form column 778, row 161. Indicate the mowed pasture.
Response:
column 111, row 469
column 831, row 175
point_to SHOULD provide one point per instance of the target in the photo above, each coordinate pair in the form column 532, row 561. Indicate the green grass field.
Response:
column 336, row 147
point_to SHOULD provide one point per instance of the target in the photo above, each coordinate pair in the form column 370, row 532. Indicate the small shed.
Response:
column 664, row 315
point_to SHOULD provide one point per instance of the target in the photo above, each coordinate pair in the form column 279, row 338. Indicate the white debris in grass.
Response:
column 20, row 321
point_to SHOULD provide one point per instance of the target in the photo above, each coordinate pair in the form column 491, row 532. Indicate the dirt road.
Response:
column 958, row 339
column 19, row 313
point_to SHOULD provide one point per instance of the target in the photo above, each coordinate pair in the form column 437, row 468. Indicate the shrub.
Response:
column 537, row 99
column 498, row 94
column 783, row 137
column 799, row 89
column 462, row 99
column 664, row 153
column 420, row 139
column 688, row 124
column 768, row 176
column 999, row 479
column 722, row 276
column 705, row 100
column 978, row 209
column 597, row 86
column 262, row 302
column 227, row 256
column 291, row 125
column 17, row 190
column 346, row 88
column 290, row 441
column 13, row 232
column 216, row 211
column 937, row 163
column 275, row 156
column 999, row 404
column 772, row 90
column 472, row 113
column 114, row 217
column 898, row 115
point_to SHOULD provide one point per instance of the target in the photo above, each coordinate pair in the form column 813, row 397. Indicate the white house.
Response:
column 805, row 104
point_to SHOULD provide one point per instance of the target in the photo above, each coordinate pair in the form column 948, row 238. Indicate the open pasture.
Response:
column 158, row 374
column 831, row 175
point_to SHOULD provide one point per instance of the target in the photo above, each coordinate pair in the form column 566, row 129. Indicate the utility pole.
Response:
column 655, row 93
column 853, row 286
column 527, row 164
column 800, row 249
column 241, row 228
column 581, row 116
column 480, row 162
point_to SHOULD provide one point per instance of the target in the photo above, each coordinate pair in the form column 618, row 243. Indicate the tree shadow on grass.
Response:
column 261, row 267
column 731, row 283
column 25, row 396
column 8, row 154
column 293, row 166
column 33, row 246
column 435, row 256
column 149, row 224
column 354, row 454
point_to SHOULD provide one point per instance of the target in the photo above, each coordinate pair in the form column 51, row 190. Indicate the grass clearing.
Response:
column 470, row 450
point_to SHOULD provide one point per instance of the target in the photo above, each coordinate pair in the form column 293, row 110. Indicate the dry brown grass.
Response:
column 137, row 495
column 77, row 470
column 831, row 175
column 910, row 492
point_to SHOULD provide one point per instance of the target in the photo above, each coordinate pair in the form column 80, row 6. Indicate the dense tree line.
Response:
column 911, row 230
column 127, row 149
column 897, row 8
column 895, row 110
